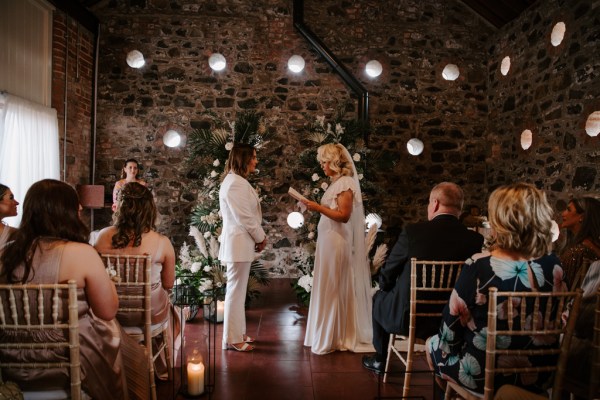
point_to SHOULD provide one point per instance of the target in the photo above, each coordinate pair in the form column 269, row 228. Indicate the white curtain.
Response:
column 29, row 149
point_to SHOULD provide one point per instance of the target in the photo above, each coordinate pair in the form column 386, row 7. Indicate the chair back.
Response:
column 547, row 312
column 132, row 275
column 36, row 308
column 580, row 274
column 595, row 373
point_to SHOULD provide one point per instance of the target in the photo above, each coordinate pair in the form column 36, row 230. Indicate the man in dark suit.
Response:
column 441, row 238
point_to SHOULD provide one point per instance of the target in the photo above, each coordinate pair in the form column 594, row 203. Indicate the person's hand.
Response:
column 311, row 205
column 258, row 247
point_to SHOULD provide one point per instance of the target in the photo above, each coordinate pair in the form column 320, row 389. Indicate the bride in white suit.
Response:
column 241, row 237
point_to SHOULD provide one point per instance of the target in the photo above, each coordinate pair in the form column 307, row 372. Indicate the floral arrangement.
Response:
column 198, row 267
column 349, row 133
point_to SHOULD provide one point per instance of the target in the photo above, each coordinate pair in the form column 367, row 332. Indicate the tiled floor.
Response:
column 281, row 367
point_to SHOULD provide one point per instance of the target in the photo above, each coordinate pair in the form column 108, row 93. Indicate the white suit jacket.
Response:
column 242, row 217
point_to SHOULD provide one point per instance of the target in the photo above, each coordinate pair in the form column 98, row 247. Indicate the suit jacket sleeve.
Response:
column 245, row 209
column 394, row 263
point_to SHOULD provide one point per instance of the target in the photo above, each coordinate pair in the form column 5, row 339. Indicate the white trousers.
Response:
column 234, row 319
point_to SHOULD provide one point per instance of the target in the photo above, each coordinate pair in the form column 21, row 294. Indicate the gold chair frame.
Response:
column 435, row 276
column 22, row 308
column 130, row 271
column 551, row 325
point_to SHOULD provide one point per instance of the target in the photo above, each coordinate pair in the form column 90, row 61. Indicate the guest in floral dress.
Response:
column 519, row 260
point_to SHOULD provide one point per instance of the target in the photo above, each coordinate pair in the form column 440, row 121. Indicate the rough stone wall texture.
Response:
column 551, row 91
column 467, row 124
column 73, row 48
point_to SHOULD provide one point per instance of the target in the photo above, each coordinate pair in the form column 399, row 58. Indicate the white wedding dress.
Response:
column 339, row 316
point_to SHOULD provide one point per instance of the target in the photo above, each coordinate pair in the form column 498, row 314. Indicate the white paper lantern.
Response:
column 505, row 66
column 451, row 72
column 373, row 218
column 172, row 138
column 558, row 34
column 295, row 220
column 555, row 231
column 415, row 146
column 373, row 68
column 526, row 139
column 135, row 59
column 296, row 63
column 217, row 62
column 592, row 125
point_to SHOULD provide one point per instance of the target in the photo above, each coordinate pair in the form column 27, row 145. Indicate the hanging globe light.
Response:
column 295, row 220
column 217, row 62
column 296, row 63
column 171, row 138
column 373, row 68
column 451, row 72
column 373, row 219
column 135, row 59
column 415, row 146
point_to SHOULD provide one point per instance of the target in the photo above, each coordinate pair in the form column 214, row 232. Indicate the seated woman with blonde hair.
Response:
column 50, row 246
column 134, row 232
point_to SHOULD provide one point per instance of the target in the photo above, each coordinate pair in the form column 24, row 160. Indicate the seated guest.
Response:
column 133, row 232
column 129, row 173
column 581, row 219
column 8, row 208
column 520, row 260
column 441, row 238
column 50, row 246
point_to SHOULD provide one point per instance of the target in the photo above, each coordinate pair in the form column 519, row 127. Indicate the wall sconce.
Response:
column 296, row 63
column 415, row 146
column 217, row 62
column 295, row 220
column 373, row 68
column 135, row 59
column 526, row 139
column 451, row 72
column 172, row 138
column 592, row 125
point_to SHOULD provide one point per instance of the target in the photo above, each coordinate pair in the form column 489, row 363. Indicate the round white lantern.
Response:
column 373, row 219
column 135, row 59
column 526, row 139
column 555, row 231
column 296, row 63
column 217, row 62
column 171, row 138
column 592, row 125
column 450, row 72
column 373, row 68
column 295, row 220
column 415, row 146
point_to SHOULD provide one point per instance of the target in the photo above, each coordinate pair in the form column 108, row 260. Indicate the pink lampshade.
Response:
column 91, row 196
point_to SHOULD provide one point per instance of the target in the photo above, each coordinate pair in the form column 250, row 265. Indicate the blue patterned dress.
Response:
column 458, row 351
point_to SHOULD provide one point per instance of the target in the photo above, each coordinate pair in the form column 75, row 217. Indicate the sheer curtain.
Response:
column 29, row 149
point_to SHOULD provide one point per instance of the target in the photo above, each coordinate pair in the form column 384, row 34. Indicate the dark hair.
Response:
column 3, row 190
column 123, row 174
column 590, row 225
column 50, row 210
column 239, row 159
column 135, row 215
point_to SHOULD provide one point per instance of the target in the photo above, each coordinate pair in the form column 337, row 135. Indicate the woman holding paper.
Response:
column 241, row 237
column 339, row 316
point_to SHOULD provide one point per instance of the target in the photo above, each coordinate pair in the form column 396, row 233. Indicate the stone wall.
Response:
column 466, row 124
column 551, row 91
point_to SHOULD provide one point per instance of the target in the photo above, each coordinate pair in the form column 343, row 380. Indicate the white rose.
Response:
column 306, row 282
column 213, row 174
column 356, row 157
column 228, row 146
column 315, row 177
column 207, row 268
column 360, row 176
column 311, row 235
column 216, row 163
column 196, row 267
column 324, row 186
column 206, row 235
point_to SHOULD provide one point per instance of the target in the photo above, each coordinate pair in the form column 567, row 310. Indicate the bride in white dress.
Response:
column 339, row 315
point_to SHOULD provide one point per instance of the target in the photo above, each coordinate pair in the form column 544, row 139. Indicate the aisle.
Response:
column 281, row 367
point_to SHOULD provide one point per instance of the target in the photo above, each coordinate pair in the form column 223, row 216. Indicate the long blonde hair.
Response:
column 334, row 153
column 522, row 219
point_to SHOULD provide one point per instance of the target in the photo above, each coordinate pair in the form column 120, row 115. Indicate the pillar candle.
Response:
column 220, row 311
column 195, row 378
